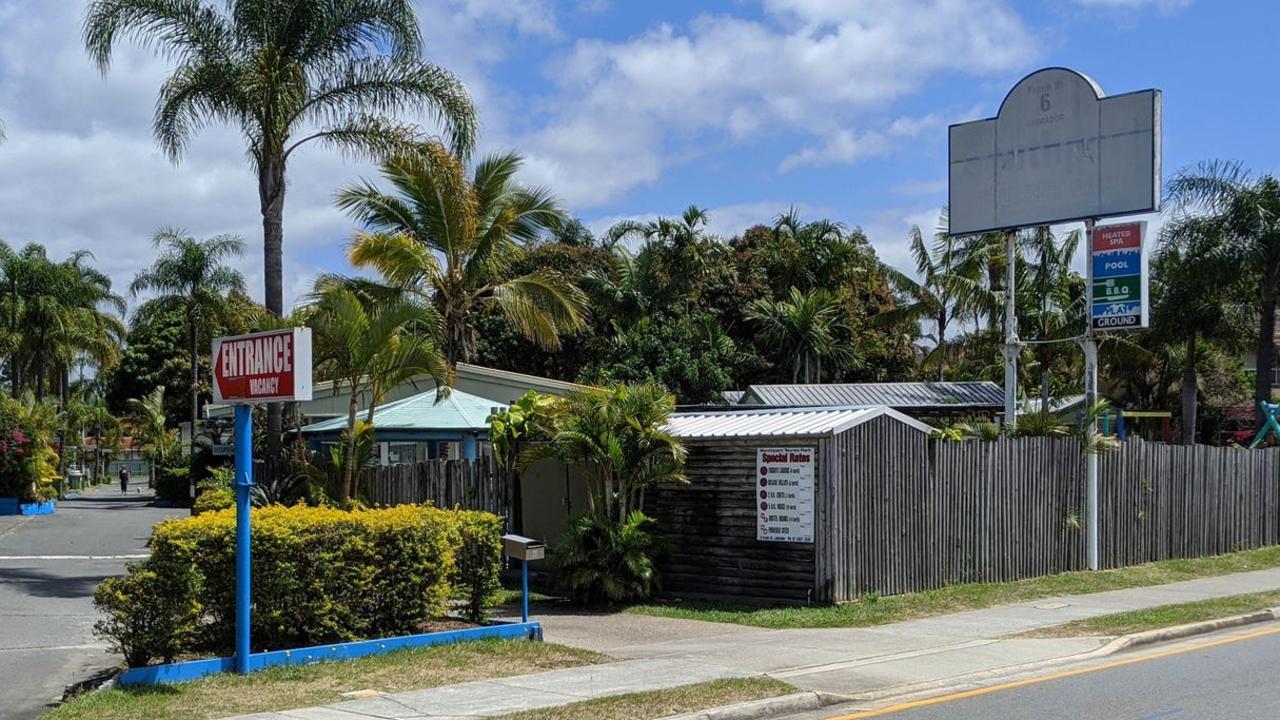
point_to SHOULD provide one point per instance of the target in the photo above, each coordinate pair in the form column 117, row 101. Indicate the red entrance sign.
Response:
column 262, row 367
column 1117, row 237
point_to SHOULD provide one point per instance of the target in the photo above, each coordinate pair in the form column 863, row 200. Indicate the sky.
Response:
column 629, row 109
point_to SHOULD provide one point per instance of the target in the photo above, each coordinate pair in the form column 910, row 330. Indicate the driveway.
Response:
column 49, row 568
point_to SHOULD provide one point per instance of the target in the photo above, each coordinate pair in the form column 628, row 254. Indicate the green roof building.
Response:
column 414, row 428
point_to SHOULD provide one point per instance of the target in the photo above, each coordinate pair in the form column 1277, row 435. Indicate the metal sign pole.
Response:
column 244, row 480
column 1012, row 347
column 1090, row 399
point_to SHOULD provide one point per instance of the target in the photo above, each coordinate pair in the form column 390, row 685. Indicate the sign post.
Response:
column 1060, row 150
column 250, row 369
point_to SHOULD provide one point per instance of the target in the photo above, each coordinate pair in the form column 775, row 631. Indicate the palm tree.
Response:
column 816, row 254
column 191, row 277
column 806, row 327
column 1246, row 212
column 931, row 297
column 151, row 426
column 286, row 74
column 1053, row 297
column 371, row 344
column 1198, row 298
column 452, row 241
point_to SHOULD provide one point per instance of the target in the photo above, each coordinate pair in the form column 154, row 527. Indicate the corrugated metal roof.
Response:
column 732, row 397
column 779, row 422
column 899, row 395
column 424, row 411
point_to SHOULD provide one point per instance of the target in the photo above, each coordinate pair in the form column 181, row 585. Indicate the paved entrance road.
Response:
column 1238, row 678
column 49, row 567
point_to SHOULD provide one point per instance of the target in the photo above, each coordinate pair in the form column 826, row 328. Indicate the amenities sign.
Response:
column 784, row 478
column 263, row 367
column 1119, row 277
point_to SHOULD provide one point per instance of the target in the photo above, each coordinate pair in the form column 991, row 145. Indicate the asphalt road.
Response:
column 49, row 567
column 1235, row 680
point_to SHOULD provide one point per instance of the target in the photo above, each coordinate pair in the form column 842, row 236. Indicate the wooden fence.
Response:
column 468, row 484
column 897, row 512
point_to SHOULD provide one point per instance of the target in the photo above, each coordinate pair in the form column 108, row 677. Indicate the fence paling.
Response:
column 469, row 484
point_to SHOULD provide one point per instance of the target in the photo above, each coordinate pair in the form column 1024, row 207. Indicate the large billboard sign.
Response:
column 272, row 366
column 1118, row 276
column 784, row 501
column 1058, row 150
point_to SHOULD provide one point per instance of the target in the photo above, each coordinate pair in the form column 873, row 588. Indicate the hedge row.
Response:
column 320, row 575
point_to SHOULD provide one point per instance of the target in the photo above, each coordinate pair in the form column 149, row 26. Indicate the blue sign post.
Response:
column 261, row 367
column 244, row 481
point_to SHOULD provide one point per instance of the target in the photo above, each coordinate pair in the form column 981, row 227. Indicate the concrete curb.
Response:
column 808, row 701
column 1116, row 645
column 753, row 709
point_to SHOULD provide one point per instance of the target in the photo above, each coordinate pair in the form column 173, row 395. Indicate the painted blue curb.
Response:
column 11, row 506
column 193, row 669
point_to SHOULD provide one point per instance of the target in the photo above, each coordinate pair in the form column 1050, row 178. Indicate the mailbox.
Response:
column 523, row 548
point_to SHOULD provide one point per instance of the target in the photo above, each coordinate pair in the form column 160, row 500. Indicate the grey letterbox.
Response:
column 523, row 548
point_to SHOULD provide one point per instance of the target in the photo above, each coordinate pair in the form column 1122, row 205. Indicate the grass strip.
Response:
column 1161, row 616
column 662, row 703
column 876, row 610
column 297, row 686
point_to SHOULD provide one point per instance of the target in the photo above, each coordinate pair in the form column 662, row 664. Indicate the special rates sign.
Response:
column 784, row 501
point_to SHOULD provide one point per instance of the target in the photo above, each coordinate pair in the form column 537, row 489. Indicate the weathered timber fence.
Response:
column 897, row 512
column 469, row 484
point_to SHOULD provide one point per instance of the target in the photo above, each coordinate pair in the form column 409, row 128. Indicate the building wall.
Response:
column 710, row 526
column 552, row 493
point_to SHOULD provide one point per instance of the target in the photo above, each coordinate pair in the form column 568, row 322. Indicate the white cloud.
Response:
column 1166, row 6
column 845, row 146
column 626, row 110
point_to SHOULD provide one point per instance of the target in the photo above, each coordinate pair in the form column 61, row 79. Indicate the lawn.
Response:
column 284, row 688
column 1162, row 616
column 662, row 703
column 875, row 610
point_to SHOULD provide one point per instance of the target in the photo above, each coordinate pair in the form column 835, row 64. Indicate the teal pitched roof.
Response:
column 458, row 411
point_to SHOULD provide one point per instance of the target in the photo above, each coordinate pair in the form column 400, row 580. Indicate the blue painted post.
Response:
column 244, row 479
column 524, row 591
column 468, row 447
column 1120, row 425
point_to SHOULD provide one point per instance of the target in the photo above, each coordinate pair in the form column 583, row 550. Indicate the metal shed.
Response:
column 909, row 397
column 767, row 516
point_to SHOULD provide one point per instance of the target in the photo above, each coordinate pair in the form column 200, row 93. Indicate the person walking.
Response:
column 124, row 480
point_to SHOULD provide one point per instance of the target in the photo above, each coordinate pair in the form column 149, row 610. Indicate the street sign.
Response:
column 784, row 500
column 1118, row 277
column 271, row 366
column 1058, row 150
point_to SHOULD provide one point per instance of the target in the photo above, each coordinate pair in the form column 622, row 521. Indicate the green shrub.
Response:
column 479, row 561
column 217, row 498
column 322, row 575
column 171, row 483
column 149, row 614
column 602, row 561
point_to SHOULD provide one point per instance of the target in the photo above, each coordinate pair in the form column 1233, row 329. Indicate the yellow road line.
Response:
column 1046, row 678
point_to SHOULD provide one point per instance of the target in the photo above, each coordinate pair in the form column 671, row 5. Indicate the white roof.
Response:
column 774, row 422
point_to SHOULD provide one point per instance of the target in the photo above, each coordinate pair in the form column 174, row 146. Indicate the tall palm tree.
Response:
column 1053, row 297
column 371, row 344
column 191, row 276
column 453, row 240
column 806, row 327
column 1198, row 298
column 931, row 298
column 816, row 254
column 286, row 74
column 1246, row 211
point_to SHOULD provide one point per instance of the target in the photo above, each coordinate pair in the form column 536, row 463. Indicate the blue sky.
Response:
column 629, row 109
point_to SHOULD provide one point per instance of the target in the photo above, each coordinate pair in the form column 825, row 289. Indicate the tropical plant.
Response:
column 160, row 445
column 525, row 420
column 599, row 560
column 336, row 72
column 1245, row 212
column 28, row 464
column 618, row 435
column 190, row 277
column 1051, row 312
column 370, row 345
column 930, row 298
column 451, row 241
column 805, row 328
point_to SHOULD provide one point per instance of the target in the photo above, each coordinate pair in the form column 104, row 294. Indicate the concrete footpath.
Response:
column 656, row 653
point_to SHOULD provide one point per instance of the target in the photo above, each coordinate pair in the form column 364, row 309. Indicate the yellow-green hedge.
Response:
column 323, row 575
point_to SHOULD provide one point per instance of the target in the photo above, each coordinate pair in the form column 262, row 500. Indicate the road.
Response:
column 49, row 567
column 1226, row 678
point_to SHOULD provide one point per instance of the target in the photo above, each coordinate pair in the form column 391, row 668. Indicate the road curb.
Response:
column 1116, row 645
column 753, row 709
